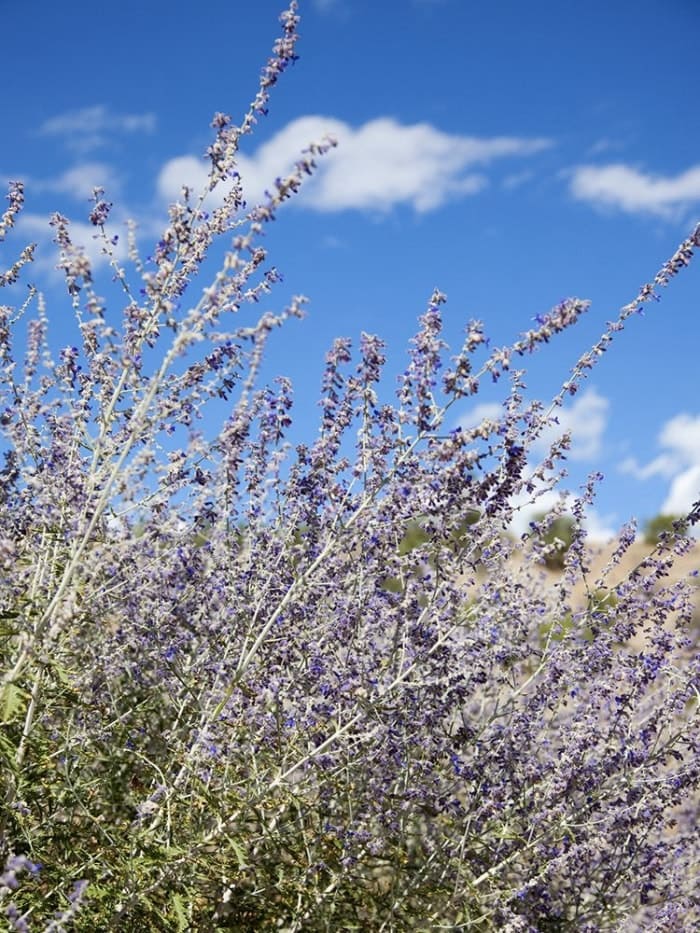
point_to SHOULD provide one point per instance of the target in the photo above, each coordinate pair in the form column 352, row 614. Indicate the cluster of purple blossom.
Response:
column 235, row 695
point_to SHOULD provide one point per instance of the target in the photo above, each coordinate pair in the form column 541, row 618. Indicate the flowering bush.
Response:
column 252, row 687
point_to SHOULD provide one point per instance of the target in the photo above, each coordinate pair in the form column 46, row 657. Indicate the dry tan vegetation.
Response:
column 600, row 556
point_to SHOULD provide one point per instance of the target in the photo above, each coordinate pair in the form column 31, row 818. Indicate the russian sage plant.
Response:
column 253, row 686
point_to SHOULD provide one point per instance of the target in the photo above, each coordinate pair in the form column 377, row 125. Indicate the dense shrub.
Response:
column 218, row 715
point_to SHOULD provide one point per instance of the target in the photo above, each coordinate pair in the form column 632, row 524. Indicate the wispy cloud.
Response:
column 629, row 189
column 485, row 411
column 603, row 145
column 679, row 462
column 78, row 181
column 600, row 528
column 35, row 227
column 586, row 420
column 377, row 166
column 91, row 128
column 683, row 492
column 517, row 179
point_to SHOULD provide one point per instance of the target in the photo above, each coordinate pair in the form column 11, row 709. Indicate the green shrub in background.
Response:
column 664, row 524
column 557, row 536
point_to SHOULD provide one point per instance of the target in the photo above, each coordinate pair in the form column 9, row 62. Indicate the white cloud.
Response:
column 528, row 509
column 663, row 465
column 330, row 241
column 183, row 170
column 603, row 145
column 35, row 227
column 491, row 411
column 684, row 492
column 79, row 181
column 586, row 420
column 600, row 528
column 682, row 434
column 90, row 127
column 376, row 166
column 628, row 189
column 517, row 180
column 679, row 462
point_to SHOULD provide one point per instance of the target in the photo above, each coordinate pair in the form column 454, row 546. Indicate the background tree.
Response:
column 664, row 523
column 557, row 536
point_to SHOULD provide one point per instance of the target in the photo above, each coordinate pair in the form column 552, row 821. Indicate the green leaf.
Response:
column 414, row 536
column 7, row 753
column 240, row 854
column 12, row 701
column 391, row 584
column 180, row 913
column 61, row 674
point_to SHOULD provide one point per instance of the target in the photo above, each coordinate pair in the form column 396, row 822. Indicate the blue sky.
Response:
column 511, row 154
